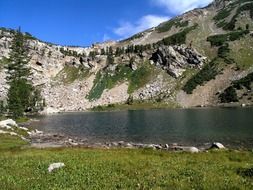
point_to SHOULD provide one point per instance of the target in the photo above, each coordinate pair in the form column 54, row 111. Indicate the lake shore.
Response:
column 23, row 167
column 117, row 165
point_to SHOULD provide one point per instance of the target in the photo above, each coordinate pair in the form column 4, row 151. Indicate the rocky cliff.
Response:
column 189, row 61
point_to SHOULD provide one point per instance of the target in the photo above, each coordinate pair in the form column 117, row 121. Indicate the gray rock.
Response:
column 191, row 149
column 217, row 145
column 54, row 166
column 176, row 59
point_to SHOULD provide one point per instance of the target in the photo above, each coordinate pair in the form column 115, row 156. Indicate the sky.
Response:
column 83, row 22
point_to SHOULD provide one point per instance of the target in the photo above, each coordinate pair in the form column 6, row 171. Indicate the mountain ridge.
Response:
column 190, row 60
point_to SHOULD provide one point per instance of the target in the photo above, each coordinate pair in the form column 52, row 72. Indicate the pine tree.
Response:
column 21, row 91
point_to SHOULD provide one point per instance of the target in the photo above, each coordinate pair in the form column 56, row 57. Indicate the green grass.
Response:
column 140, row 77
column 242, row 52
column 8, row 142
column 26, row 168
column 108, row 80
column 230, row 94
column 125, row 169
column 209, row 72
column 221, row 18
column 22, row 119
column 178, row 38
column 245, row 7
column 219, row 40
column 168, row 25
column 70, row 74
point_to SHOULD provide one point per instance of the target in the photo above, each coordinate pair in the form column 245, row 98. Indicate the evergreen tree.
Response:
column 21, row 91
column 102, row 51
column 110, row 51
column 110, row 60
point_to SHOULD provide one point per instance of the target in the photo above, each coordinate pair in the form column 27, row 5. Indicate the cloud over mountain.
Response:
column 127, row 29
column 179, row 6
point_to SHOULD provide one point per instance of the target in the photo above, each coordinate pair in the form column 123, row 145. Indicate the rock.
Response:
column 176, row 59
column 72, row 142
column 7, row 132
column 55, row 166
column 191, row 149
column 8, row 124
column 243, row 105
column 49, row 111
column 23, row 128
column 217, row 145
column 134, row 66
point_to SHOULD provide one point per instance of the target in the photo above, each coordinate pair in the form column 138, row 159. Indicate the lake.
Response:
column 230, row 126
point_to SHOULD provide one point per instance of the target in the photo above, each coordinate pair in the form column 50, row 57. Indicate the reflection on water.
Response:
column 232, row 126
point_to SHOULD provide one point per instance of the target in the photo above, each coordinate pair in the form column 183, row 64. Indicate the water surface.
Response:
column 231, row 126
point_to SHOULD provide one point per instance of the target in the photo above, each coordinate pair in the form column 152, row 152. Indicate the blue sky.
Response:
column 83, row 22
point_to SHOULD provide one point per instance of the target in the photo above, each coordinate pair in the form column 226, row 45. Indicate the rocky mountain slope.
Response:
column 201, row 58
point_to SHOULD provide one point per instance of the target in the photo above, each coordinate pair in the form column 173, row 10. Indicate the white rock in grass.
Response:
column 9, row 133
column 8, row 124
column 55, row 166
column 217, row 145
column 191, row 149
column 24, row 128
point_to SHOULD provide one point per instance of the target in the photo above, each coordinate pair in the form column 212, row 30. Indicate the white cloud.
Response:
column 180, row 6
column 127, row 29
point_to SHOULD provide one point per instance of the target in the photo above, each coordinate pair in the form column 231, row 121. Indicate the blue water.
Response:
column 231, row 126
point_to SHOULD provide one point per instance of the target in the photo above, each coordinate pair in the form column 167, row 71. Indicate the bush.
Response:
column 208, row 73
column 178, row 38
column 168, row 25
column 245, row 7
column 219, row 40
column 107, row 80
column 229, row 95
column 244, row 82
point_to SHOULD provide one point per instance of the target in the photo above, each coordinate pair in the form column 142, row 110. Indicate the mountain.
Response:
column 201, row 58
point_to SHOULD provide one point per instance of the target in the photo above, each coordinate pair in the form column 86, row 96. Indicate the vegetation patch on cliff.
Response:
column 208, row 73
column 69, row 74
column 108, row 79
column 177, row 22
column 178, row 38
column 230, row 94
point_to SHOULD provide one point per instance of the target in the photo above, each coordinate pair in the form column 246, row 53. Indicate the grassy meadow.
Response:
column 22, row 167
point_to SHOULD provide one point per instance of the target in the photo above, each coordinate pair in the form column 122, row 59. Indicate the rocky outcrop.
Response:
column 176, row 59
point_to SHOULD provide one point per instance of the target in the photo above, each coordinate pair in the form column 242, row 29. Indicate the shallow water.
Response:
column 231, row 126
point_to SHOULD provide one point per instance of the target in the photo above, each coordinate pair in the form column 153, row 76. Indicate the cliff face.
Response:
column 190, row 60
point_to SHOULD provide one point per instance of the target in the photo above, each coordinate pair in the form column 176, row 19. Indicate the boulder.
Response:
column 176, row 59
column 191, row 149
column 217, row 145
column 8, row 124
column 54, row 166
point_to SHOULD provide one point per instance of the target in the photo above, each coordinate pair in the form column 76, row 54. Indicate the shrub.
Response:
column 178, row 38
column 208, row 73
column 229, row 95
column 168, row 25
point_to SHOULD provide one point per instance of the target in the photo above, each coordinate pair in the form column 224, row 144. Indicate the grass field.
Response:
column 26, row 168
